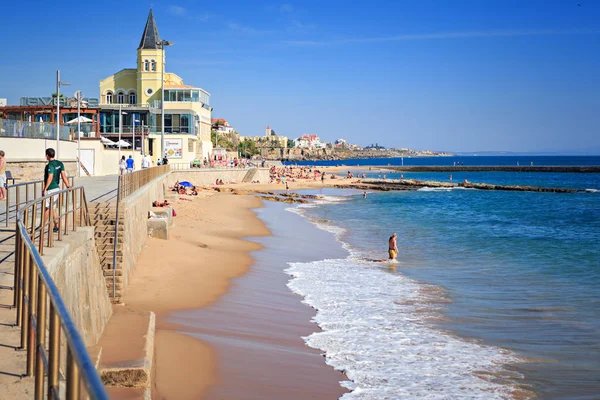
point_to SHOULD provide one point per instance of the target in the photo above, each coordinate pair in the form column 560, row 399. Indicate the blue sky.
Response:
column 461, row 75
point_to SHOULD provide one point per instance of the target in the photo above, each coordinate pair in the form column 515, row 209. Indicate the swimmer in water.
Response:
column 364, row 195
column 393, row 248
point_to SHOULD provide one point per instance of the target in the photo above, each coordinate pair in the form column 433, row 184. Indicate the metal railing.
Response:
column 129, row 183
column 41, row 312
column 15, row 191
column 34, row 130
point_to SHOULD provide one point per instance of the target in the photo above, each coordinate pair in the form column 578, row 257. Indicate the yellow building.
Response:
column 137, row 92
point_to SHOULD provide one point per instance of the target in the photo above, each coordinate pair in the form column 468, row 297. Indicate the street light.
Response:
column 79, row 98
column 133, row 121
column 162, row 44
column 121, row 113
column 58, row 85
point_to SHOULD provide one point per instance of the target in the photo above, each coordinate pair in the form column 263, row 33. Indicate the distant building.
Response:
column 271, row 139
column 222, row 126
column 311, row 141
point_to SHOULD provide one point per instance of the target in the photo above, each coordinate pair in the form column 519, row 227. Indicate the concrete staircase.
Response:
column 250, row 175
column 104, row 216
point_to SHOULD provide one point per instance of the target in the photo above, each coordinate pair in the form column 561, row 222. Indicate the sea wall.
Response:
column 135, row 220
column 202, row 177
column 493, row 168
column 75, row 268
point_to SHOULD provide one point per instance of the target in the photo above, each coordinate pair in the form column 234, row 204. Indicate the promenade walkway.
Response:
column 13, row 384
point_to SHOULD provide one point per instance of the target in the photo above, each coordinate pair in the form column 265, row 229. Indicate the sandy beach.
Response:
column 193, row 269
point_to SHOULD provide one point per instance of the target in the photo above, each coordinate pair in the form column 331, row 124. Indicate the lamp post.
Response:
column 121, row 113
column 58, row 84
column 133, row 121
column 162, row 45
column 78, row 97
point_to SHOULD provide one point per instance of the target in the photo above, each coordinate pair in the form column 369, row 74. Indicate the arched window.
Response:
column 153, row 65
column 146, row 65
column 120, row 98
column 132, row 98
column 109, row 98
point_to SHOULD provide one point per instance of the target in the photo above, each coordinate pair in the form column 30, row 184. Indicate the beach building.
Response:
column 311, row 141
column 137, row 93
column 222, row 126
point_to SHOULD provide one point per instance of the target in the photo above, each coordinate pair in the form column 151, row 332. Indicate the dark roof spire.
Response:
column 150, row 37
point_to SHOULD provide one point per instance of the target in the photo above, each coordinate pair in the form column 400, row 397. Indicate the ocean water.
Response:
column 495, row 295
column 522, row 160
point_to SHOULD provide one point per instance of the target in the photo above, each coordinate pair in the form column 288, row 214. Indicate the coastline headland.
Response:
column 495, row 168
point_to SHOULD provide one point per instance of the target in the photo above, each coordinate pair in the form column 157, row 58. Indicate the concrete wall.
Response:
column 136, row 223
column 75, row 268
column 26, row 149
column 202, row 177
column 106, row 160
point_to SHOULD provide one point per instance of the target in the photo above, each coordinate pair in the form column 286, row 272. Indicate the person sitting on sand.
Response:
column 393, row 248
column 157, row 203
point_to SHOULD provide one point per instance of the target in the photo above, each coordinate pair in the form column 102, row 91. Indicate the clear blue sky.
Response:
column 460, row 75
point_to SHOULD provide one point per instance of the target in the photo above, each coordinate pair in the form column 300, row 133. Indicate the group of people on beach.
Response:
column 127, row 165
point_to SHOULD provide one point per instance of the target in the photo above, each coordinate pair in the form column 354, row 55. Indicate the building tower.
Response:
column 268, row 131
column 150, row 62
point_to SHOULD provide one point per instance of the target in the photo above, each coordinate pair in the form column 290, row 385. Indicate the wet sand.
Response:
column 244, row 350
column 262, row 321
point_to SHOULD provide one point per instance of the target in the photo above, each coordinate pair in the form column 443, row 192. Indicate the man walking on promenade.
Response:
column 54, row 171
column 2, row 176
column 146, row 162
column 130, row 165
column 393, row 248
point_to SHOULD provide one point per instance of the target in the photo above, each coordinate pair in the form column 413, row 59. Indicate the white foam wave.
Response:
column 375, row 329
column 442, row 189
column 593, row 190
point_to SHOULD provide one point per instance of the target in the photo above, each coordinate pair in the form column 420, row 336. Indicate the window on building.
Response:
column 172, row 95
column 146, row 65
column 168, row 123
column 153, row 65
column 179, row 95
column 195, row 96
column 184, row 123
column 109, row 98
column 132, row 98
column 187, row 95
column 121, row 98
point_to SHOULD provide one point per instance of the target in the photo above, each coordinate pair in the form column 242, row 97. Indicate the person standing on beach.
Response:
column 393, row 248
column 53, row 172
column 2, row 176
column 323, row 177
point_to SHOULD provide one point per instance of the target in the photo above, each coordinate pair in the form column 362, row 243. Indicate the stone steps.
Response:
column 104, row 219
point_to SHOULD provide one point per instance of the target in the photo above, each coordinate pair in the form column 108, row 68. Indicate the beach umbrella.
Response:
column 81, row 120
column 122, row 143
column 106, row 141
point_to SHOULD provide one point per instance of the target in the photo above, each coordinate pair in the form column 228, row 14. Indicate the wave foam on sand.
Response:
column 376, row 328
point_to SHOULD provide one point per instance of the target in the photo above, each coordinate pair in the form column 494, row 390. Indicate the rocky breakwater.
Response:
column 413, row 184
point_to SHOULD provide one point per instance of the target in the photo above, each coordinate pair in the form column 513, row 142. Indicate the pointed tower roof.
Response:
column 150, row 37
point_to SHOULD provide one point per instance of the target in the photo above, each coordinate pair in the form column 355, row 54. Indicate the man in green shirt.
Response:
column 54, row 171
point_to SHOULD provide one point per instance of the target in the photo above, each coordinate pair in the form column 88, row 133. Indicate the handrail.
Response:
column 34, row 286
column 35, row 186
column 129, row 183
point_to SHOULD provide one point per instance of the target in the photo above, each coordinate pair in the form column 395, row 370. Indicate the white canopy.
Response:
column 81, row 120
column 107, row 141
column 122, row 143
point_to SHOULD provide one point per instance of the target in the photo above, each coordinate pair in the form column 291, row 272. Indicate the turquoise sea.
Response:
column 496, row 294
